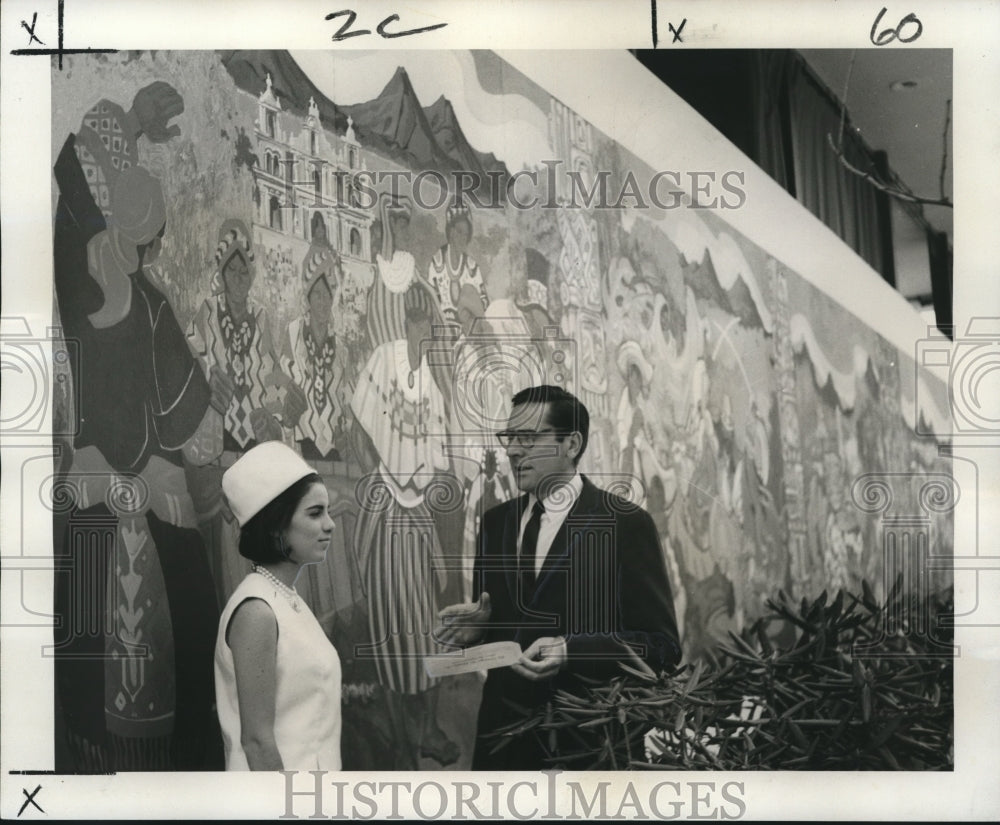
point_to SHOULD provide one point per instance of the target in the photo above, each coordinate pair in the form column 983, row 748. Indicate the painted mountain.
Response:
column 704, row 282
column 395, row 125
column 449, row 136
column 742, row 304
column 249, row 69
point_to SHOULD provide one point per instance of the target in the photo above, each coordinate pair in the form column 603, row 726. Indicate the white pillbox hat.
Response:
column 260, row 476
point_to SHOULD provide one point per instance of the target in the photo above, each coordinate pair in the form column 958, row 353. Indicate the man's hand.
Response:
column 153, row 107
column 464, row 624
column 543, row 659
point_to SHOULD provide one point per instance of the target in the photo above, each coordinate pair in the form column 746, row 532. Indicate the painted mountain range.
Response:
column 292, row 86
column 393, row 125
column 736, row 300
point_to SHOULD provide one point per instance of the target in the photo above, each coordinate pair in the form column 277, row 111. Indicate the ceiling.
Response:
column 907, row 124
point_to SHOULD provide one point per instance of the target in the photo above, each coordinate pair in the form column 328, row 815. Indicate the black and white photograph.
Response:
column 479, row 412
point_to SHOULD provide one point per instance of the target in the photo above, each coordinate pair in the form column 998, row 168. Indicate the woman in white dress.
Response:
column 277, row 676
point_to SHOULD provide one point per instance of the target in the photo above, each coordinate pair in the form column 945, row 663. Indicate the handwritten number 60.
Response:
column 888, row 35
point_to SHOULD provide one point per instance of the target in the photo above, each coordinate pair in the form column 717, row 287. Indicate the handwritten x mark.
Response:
column 30, row 798
column 677, row 32
column 31, row 29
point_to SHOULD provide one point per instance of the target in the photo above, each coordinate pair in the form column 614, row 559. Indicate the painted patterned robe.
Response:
column 133, row 672
column 245, row 352
column 396, row 536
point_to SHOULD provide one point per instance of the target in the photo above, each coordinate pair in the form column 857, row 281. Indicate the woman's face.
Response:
column 309, row 532
column 237, row 277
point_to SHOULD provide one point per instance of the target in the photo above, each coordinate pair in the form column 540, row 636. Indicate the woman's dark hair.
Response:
column 262, row 538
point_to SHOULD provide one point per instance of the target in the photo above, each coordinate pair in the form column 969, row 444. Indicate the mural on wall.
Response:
column 236, row 272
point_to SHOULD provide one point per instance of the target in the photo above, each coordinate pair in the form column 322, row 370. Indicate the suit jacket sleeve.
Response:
column 482, row 580
column 489, row 576
column 644, row 619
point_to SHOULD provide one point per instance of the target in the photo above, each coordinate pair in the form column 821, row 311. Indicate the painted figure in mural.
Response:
column 761, row 523
column 452, row 268
column 232, row 339
column 399, row 413
column 631, row 422
column 726, row 517
column 534, row 305
column 395, row 270
column 533, row 559
column 654, row 481
column 135, row 689
column 637, row 457
column 459, row 290
column 497, row 350
column 310, row 356
column 710, row 593
column 316, row 361
column 834, row 528
column 277, row 676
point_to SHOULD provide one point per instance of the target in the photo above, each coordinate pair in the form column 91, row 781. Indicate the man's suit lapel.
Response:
column 585, row 506
column 511, row 527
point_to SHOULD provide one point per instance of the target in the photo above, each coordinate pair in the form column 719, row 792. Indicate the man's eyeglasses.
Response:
column 525, row 438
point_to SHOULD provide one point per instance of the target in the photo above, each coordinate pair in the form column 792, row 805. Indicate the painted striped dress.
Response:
column 386, row 313
column 401, row 410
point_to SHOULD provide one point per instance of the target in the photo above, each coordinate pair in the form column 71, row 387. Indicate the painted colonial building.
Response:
column 306, row 186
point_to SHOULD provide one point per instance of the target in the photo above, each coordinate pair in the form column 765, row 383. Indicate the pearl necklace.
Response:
column 289, row 593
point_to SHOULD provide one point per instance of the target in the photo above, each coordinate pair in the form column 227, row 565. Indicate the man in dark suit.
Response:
column 578, row 582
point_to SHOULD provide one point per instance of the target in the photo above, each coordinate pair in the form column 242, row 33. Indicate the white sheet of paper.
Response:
column 480, row 657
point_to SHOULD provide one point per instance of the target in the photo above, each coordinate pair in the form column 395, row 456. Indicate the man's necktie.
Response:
column 529, row 544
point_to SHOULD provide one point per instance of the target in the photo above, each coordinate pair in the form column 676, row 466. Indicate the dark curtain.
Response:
column 768, row 103
column 771, row 150
column 941, row 281
column 844, row 201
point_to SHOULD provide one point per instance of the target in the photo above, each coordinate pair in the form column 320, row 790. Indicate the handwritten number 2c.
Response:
column 343, row 32
column 886, row 36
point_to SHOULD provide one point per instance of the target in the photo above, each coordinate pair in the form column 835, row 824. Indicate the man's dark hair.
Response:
column 567, row 414
column 262, row 537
